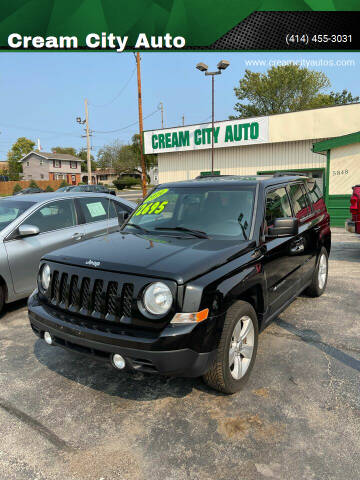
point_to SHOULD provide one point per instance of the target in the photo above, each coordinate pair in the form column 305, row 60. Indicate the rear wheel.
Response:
column 237, row 350
column 320, row 275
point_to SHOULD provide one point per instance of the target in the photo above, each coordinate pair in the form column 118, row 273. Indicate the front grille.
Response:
column 98, row 298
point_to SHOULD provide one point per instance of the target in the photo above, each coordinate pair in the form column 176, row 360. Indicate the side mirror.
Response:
column 122, row 216
column 28, row 230
column 284, row 227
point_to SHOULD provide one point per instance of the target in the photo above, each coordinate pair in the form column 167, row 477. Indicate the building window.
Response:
column 57, row 163
column 41, row 176
column 28, row 164
column 73, row 164
column 103, row 177
column 59, row 176
column 41, row 161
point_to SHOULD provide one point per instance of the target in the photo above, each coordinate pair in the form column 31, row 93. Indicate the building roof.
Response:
column 105, row 171
column 52, row 156
column 336, row 142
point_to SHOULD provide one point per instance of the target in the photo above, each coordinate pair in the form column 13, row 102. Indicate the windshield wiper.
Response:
column 196, row 233
column 243, row 227
column 145, row 230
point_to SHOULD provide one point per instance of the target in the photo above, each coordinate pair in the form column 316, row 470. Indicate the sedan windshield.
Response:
column 10, row 210
column 216, row 212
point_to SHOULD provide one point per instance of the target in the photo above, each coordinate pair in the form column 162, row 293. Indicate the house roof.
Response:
column 106, row 171
column 52, row 156
column 336, row 142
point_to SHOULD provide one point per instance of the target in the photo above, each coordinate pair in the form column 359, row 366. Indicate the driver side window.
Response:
column 277, row 206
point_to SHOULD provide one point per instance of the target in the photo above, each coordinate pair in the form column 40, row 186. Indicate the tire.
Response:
column 320, row 276
column 226, row 376
column 2, row 298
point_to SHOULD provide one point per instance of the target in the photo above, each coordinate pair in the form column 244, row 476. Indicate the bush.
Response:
column 49, row 189
column 33, row 184
column 126, row 182
column 17, row 188
column 64, row 183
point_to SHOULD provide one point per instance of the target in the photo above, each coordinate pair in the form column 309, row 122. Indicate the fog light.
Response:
column 118, row 361
column 48, row 338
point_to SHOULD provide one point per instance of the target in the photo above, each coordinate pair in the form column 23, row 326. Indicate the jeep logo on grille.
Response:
column 93, row 263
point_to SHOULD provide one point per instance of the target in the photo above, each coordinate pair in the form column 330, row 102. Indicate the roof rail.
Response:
column 211, row 176
column 290, row 174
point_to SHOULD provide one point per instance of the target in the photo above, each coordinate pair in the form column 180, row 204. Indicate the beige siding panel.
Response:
column 344, row 169
column 246, row 160
column 322, row 122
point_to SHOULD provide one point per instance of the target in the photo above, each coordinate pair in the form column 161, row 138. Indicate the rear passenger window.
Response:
column 299, row 200
column 315, row 193
column 97, row 209
column 277, row 205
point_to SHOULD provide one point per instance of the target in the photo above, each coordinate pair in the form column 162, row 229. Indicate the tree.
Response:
column 150, row 159
column 17, row 188
column 20, row 148
column 83, row 155
column 49, row 189
column 343, row 98
column 67, row 150
column 63, row 183
column 33, row 184
column 282, row 89
column 119, row 157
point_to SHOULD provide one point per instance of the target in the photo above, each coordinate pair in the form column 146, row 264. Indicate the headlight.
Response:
column 157, row 298
column 45, row 276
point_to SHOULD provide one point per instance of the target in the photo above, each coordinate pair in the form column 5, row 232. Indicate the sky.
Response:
column 42, row 93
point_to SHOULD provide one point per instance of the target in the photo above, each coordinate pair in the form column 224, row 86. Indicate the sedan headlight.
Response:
column 45, row 276
column 157, row 298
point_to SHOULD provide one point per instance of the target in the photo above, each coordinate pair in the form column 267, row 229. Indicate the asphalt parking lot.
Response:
column 64, row 417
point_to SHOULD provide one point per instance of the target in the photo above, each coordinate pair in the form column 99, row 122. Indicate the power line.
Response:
column 118, row 94
column 127, row 126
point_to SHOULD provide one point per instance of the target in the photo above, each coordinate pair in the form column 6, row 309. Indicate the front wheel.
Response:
column 320, row 276
column 237, row 350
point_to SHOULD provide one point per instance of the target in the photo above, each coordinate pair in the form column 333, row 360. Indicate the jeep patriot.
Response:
column 192, row 277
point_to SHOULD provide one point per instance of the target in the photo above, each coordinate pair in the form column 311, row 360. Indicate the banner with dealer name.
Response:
column 229, row 133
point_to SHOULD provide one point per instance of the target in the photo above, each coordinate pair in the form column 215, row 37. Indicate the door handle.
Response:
column 77, row 236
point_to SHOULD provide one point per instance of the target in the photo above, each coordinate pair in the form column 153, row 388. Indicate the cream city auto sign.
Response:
column 226, row 134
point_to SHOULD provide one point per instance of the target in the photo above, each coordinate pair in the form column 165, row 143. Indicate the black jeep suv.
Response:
column 191, row 278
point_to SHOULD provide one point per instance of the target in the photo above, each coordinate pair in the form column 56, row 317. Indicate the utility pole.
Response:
column 88, row 143
column 143, row 169
column 183, row 120
column 162, row 114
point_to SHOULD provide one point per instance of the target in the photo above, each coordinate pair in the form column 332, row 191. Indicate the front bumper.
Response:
column 169, row 352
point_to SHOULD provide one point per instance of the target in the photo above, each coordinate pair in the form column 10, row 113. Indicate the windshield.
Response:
column 218, row 212
column 11, row 210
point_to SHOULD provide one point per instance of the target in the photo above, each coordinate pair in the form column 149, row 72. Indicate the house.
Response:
column 51, row 166
column 105, row 176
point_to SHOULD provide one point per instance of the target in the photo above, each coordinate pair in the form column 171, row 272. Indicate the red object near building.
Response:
column 353, row 225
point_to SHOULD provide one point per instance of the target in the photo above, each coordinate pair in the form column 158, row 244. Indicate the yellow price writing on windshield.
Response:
column 155, row 195
column 151, row 208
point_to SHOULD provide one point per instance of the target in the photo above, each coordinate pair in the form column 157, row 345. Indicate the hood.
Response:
column 179, row 259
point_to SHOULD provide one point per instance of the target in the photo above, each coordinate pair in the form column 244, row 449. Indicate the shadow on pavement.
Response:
column 312, row 337
column 103, row 377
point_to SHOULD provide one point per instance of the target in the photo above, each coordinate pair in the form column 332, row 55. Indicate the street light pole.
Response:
column 222, row 65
